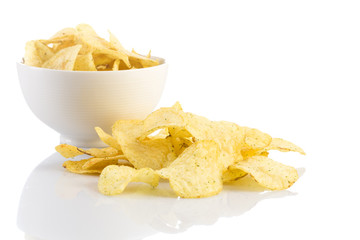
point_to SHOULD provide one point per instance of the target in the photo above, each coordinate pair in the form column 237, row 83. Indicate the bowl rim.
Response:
column 161, row 64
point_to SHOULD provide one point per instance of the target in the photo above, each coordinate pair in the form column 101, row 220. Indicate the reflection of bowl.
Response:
column 74, row 102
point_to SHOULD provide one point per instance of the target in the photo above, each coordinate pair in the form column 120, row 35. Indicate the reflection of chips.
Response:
column 195, row 154
column 81, row 49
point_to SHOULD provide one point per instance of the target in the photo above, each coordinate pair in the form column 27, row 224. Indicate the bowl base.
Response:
column 89, row 143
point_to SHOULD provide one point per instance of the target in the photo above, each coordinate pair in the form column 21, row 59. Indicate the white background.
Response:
column 289, row 68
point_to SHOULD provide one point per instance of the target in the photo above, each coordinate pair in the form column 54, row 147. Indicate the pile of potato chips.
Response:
column 195, row 154
column 81, row 49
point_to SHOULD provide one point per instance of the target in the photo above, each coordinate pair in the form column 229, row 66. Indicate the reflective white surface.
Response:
column 58, row 205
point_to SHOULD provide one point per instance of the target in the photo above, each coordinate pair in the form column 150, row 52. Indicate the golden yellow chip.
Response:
column 114, row 179
column 232, row 175
column 108, row 56
column 85, row 29
column 195, row 154
column 77, row 167
column 63, row 59
column 95, row 53
column 268, row 173
column 100, row 163
column 69, row 151
column 154, row 154
column 116, row 65
column 108, row 139
column 195, row 173
column 256, row 139
column 62, row 36
column 36, row 53
column 284, row 146
column 84, row 63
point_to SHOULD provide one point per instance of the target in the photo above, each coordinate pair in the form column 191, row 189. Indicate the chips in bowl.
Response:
column 81, row 49
column 196, row 155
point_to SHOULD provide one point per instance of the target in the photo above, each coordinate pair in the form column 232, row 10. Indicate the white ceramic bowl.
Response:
column 74, row 102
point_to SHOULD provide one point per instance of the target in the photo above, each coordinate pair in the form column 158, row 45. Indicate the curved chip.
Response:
column 195, row 173
column 84, row 62
column 69, row 151
column 268, row 173
column 232, row 175
column 63, row 59
column 107, row 138
column 256, row 139
column 100, row 163
column 114, row 179
column 77, row 167
column 284, row 146
column 154, row 154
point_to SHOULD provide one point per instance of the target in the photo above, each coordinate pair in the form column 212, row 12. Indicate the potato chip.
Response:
column 284, row 146
column 77, row 167
column 154, row 154
column 149, row 54
column 195, row 154
column 64, row 59
column 85, row 29
column 36, row 53
column 108, row 139
column 115, row 43
column 163, row 118
column 116, row 65
column 69, row 151
column 195, row 173
column 95, row 53
column 256, row 139
column 135, row 59
column 64, row 35
column 114, row 179
column 268, row 173
column 84, row 63
column 232, row 175
column 111, row 55
column 100, row 163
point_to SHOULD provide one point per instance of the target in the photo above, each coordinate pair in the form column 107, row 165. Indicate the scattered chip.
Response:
column 268, row 173
column 77, row 167
column 81, row 49
column 114, row 179
column 196, row 172
column 69, row 151
column 284, row 146
column 197, row 156
column 100, row 163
